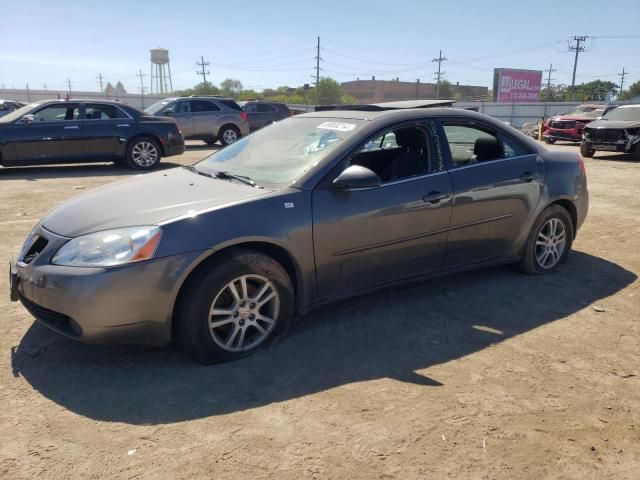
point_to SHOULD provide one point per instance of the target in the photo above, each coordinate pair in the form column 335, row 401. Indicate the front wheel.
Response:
column 236, row 308
column 585, row 150
column 549, row 242
column 143, row 153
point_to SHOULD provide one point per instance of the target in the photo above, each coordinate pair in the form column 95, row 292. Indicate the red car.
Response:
column 568, row 126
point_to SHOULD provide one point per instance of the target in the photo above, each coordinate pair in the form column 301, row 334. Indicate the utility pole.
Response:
column 44, row 87
column 100, row 78
column 141, row 75
column 204, row 73
column 550, row 71
column 439, row 73
column 318, row 66
column 28, row 94
column 69, row 85
column 578, row 48
column 621, row 75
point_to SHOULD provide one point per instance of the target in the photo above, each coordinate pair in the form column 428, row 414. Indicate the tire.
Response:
column 550, row 141
column 210, row 334
column 636, row 153
column 143, row 153
column 229, row 134
column 211, row 142
column 530, row 262
column 585, row 151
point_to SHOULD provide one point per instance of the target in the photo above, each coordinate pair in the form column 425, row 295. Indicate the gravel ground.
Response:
column 490, row 374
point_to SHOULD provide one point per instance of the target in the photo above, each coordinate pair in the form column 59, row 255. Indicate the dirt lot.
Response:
column 490, row 374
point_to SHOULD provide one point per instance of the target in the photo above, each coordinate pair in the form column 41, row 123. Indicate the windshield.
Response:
column 588, row 112
column 280, row 153
column 157, row 107
column 624, row 114
column 16, row 114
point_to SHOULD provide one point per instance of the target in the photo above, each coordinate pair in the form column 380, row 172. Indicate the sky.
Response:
column 266, row 44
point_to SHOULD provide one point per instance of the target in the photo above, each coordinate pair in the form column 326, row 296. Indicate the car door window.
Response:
column 265, row 108
column 203, row 106
column 469, row 144
column 398, row 153
column 58, row 113
column 182, row 107
column 97, row 111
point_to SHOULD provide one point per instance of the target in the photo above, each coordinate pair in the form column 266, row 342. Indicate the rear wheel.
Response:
column 549, row 242
column 585, row 150
column 229, row 134
column 143, row 153
column 549, row 140
column 238, row 307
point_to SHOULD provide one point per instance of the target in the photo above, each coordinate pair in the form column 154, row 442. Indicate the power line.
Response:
column 622, row 75
column 577, row 48
column 439, row 74
column 204, row 73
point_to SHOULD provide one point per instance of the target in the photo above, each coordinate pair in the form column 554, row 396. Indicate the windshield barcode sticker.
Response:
column 339, row 126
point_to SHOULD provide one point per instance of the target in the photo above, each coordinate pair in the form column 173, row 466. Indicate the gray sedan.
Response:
column 220, row 256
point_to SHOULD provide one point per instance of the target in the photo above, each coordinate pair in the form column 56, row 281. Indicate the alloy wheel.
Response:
column 243, row 313
column 229, row 136
column 551, row 243
column 144, row 154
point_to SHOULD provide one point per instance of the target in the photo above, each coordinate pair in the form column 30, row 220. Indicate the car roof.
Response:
column 395, row 114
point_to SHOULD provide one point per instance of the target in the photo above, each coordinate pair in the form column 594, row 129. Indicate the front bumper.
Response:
column 174, row 145
column 128, row 304
column 570, row 135
column 621, row 146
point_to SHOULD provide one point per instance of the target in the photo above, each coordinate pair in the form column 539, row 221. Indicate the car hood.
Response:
column 618, row 124
column 145, row 200
column 571, row 118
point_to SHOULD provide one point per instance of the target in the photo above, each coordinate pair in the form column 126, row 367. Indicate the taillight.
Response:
column 243, row 116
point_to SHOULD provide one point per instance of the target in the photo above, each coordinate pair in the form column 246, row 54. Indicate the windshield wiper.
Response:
column 193, row 169
column 240, row 178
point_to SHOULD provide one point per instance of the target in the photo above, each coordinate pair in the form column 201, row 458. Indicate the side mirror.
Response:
column 356, row 176
column 28, row 118
column 168, row 111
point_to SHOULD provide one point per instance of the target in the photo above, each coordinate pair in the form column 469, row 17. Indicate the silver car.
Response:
column 205, row 118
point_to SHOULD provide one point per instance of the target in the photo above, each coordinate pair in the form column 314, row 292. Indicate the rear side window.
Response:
column 250, row 108
column 97, row 111
column 231, row 104
column 203, row 106
column 56, row 113
column 265, row 108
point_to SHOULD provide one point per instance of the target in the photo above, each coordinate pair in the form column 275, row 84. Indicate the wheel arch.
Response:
column 276, row 252
column 571, row 208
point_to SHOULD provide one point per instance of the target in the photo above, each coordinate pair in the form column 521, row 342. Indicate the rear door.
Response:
column 494, row 193
column 184, row 117
column 205, row 114
column 267, row 114
column 55, row 134
column 105, row 125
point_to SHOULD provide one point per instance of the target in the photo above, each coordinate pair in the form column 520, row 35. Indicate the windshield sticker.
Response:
column 339, row 126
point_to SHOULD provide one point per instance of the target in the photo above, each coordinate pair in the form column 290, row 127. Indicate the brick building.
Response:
column 371, row 91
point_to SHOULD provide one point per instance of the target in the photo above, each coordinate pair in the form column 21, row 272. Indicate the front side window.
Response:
column 397, row 153
column 97, row 111
column 182, row 107
column 58, row 113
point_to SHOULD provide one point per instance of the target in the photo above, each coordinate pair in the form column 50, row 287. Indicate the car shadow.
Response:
column 615, row 157
column 41, row 172
column 203, row 146
column 394, row 334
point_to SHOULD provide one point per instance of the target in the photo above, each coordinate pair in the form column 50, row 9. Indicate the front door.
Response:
column 55, row 134
column 184, row 117
column 497, row 183
column 368, row 237
column 205, row 115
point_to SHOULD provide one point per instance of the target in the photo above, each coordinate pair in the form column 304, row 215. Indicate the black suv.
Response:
column 66, row 131
column 617, row 131
column 261, row 114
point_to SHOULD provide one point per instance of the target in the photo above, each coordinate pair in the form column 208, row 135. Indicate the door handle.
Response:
column 434, row 197
column 528, row 176
column 72, row 127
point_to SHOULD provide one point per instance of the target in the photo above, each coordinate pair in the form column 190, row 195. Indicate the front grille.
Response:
column 55, row 320
column 605, row 135
column 37, row 245
column 563, row 125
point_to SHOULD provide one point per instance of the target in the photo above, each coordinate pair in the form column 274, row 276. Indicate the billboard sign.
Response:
column 514, row 85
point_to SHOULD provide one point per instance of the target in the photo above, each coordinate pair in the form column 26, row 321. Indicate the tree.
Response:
column 631, row 92
column 108, row 89
column 446, row 91
column 598, row 90
column 250, row 95
column 202, row 88
column 119, row 89
column 231, row 87
column 328, row 92
column 555, row 93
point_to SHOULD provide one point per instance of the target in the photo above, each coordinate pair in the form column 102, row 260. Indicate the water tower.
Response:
column 160, row 71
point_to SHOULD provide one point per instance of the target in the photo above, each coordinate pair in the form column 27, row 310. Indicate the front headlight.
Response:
column 110, row 247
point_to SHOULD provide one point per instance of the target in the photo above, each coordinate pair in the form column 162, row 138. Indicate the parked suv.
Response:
column 569, row 125
column 261, row 114
column 206, row 118
column 617, row 131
